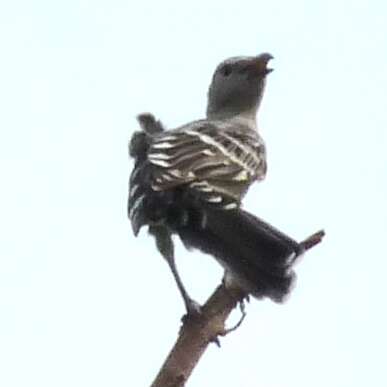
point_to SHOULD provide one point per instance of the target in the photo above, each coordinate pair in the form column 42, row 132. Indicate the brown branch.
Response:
column 196, row 334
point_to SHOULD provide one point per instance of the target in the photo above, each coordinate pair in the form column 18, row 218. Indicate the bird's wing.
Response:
column 216, row 161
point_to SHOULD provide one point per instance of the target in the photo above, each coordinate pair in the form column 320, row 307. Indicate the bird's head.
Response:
column 237, row 86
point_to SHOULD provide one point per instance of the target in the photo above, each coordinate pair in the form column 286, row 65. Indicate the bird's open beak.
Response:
column 261, row 62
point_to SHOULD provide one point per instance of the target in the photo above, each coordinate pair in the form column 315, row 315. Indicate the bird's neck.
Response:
column 247, row 118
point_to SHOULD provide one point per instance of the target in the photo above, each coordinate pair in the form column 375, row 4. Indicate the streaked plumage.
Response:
column 211, row 158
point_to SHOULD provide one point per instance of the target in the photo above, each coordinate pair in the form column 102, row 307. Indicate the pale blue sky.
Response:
column 84, row 303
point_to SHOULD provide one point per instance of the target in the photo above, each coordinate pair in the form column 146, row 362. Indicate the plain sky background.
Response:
column 84, row 303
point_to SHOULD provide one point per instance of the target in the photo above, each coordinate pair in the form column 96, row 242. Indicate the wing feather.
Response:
column 219, row 162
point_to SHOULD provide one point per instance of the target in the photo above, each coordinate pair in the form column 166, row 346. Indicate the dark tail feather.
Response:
column 258, row 256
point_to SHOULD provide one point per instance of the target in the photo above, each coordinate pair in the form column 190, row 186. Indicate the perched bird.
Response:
column 190, row 181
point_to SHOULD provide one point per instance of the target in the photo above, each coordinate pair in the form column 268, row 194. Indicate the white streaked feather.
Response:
column 156, row 187
column 163, row 145
column 156, row 158
column 214, row 199
column 167, row 177
column 202, row 186
column 202, row 183
column 205, row 189
column 241, row 176
column 208, row 152
column 165, row 139
column 134, row 174
column 176, row 173
column 133, row 190
column 160, row 163
column 159, row 156
column 230, row 206
column 135, row 205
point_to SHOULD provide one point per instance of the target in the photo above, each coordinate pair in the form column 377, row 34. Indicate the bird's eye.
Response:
column 226, row 70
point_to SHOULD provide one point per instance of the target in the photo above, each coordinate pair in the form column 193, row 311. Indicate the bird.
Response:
column 190, row 181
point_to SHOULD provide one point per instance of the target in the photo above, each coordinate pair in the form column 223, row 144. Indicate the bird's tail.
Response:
column 257, row 255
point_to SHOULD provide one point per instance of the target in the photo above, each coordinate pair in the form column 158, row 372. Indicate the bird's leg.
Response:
column 165, row 246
